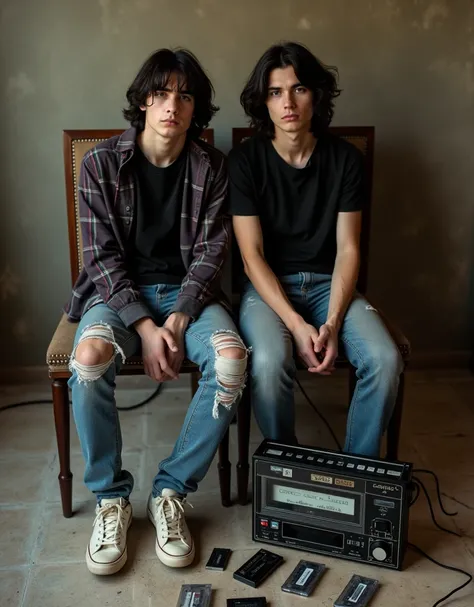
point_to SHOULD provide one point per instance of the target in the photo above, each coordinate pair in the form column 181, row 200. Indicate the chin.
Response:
column 291, row 127
column 170, row 132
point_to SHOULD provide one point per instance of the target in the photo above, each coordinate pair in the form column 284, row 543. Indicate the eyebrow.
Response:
column 168, row 90
column 278, row 88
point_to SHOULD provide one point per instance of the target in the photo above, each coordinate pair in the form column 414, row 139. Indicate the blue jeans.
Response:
column 97, row 418
column 366, row 343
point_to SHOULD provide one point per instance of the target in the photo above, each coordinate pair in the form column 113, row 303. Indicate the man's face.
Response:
column 169, row 111
column 289, row 103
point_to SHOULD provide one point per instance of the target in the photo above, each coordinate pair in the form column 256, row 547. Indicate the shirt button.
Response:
column 127, row 208
column 127, row 221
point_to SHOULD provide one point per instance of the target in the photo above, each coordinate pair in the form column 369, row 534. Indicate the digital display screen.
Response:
column 313, row 499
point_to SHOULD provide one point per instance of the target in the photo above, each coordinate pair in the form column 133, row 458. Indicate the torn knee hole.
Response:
column 91, row 372
column 230, row 369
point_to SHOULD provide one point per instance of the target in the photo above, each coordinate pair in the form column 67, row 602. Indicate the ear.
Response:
column 150, row 99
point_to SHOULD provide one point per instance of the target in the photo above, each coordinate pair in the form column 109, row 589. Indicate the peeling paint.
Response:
column 434, row 13
column 20, row 86
column 9, row 284
column 304, row 24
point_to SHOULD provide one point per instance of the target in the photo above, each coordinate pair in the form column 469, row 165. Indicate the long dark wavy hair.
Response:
column 320, row 79
column 155, row 74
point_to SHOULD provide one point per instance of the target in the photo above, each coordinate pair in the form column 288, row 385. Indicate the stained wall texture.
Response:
column 406, row 67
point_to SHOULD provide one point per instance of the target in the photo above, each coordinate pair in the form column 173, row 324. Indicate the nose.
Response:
column 288, row 101
column 172, row 106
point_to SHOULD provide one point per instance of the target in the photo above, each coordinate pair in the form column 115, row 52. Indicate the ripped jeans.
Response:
column 208, row 416
column 364, row 339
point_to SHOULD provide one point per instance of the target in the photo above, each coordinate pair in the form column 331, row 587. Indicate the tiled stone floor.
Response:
column 42, row 554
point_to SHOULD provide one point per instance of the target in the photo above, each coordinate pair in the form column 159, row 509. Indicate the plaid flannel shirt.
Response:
column 107, row 203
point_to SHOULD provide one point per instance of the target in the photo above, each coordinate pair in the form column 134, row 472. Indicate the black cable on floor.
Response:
column 438, row 490
column 430, row 505
column 417, row 487
column 26, row 402
column 154, row 394
column 458, row 588
column 320, row 415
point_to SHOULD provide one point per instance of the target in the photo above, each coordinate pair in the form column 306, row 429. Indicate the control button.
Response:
column 383, row 526
column 360, row 467
column 289, row 454
column 381, row 551
column 394, row 473
column 273, row 452
column 350, row 465
column 299, row 456
column 310, row 458
column 340, row 463
column 330, row 462
column 380, row 470
column 264, row 523
column 275, row 525
column 320, row 460
column 370, row 469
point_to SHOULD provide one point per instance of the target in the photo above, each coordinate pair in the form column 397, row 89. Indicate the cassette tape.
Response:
column 195, row 595
column 358, row 592
column 258, row 568
column 304, row 578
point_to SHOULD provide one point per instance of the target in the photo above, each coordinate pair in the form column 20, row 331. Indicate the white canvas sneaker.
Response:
column 174, row 544
column 107, row 548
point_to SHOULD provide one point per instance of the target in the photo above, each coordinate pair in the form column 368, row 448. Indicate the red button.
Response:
column 264, row 523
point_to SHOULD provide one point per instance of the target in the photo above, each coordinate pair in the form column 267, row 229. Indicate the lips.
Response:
column 291, row 117
column 170, row 122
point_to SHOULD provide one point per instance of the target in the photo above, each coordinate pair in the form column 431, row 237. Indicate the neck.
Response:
column 294, row 148
column 159, row 150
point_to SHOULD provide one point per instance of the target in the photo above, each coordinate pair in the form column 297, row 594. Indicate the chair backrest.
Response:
column 76, row 144
column 363, row 138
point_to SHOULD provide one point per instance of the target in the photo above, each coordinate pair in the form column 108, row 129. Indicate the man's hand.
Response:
column 177, row 324
column 306, row 337
column 326, row 348
column 158, row 343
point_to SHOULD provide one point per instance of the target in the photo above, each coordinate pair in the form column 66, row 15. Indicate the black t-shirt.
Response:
column 155, row 238
column 297, row 208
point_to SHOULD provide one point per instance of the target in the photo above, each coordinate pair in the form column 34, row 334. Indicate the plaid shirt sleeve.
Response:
column 210, row 249
column 103, row 255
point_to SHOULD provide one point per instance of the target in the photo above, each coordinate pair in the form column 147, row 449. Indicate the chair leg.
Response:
column 224, row 469
column 394, row 426
column 61, row 420
column 243, row 433
column 195, row 382
column 352, row 382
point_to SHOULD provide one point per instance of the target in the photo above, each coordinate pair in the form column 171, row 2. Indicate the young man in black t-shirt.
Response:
column 297, row 196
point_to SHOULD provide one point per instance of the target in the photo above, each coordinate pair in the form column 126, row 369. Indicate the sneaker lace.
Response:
column 111, row 516
column 173, row 513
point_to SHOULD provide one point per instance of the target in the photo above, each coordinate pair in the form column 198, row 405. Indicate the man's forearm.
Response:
column 270, row 290
column 344, row 280
column 144, row 326
column 177, row 322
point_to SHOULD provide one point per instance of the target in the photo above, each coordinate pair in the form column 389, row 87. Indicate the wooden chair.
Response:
column 76, row 144
column 363, row 139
